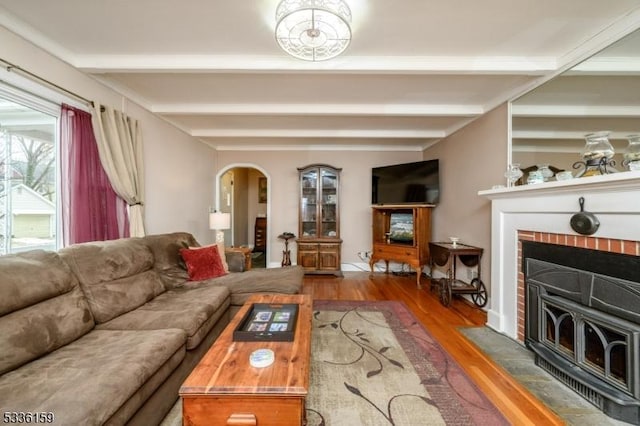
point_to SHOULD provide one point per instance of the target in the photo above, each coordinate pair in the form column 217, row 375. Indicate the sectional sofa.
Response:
column 106, row 332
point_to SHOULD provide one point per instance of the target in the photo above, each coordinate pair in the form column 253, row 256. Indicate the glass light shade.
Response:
column 219, row 220
column 313, row 30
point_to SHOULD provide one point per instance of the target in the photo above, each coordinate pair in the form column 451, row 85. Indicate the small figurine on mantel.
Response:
column 286, row 253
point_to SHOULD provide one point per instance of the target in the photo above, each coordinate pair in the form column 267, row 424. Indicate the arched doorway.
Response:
column 243, row 190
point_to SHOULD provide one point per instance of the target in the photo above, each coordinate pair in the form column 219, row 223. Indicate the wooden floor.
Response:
column 515, row 402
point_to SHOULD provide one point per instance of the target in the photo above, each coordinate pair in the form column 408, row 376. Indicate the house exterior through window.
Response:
column 28, row 173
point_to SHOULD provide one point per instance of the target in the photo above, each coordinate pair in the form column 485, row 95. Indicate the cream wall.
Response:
column 355, row 193
column 178, row 168
column 472, row 159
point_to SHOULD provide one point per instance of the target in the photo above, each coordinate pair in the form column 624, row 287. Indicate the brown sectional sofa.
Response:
column 106, row 332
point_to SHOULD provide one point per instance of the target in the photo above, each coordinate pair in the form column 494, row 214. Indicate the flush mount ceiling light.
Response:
column 313, row 30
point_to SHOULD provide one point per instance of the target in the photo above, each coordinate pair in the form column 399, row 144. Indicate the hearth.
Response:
column 582, row 320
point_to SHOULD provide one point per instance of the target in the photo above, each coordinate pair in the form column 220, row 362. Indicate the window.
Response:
column 28, row 173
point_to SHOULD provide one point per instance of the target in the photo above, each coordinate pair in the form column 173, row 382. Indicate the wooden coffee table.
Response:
column 224, row 389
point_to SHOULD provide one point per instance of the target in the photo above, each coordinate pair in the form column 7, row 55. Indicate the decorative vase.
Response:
column 535, row 176
column 632, row 153
column 513, row 173
column 596, row 155
column 547, row 173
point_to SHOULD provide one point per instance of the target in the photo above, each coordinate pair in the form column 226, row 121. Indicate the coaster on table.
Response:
column 262, row 358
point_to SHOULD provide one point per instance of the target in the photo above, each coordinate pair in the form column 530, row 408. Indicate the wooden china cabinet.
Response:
column 318, row 241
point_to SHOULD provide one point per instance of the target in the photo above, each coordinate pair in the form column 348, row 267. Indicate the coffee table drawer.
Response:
column 243, row 410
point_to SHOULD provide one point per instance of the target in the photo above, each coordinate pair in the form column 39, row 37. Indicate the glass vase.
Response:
column 597, row 146
column 535, row 176
column 632, row 153
column 546, row 172
column 513, row 173
column 597, row 155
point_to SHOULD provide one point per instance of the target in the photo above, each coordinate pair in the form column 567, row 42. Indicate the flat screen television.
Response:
column 408, row 183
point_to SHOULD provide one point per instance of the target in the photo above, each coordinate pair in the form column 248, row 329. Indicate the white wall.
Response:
column 178, row 168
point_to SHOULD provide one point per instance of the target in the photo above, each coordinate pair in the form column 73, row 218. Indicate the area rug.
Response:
column 373, row 363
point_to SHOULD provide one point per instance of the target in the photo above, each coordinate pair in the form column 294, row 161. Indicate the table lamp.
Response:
column 219, row 221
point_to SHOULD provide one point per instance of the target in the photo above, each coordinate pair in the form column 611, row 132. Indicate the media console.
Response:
column 392, row 240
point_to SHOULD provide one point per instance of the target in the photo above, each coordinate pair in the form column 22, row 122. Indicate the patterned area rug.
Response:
column 373, row 363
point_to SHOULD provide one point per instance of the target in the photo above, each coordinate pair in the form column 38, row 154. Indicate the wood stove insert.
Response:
column 582, row 321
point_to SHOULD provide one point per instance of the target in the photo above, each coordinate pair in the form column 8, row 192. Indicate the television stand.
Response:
column 414, row 253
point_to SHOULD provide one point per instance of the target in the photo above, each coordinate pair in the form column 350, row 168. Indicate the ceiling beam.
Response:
column 560, row 134
column 574, row 111
column 316, row 133
column 361, row 64
column 411, row 110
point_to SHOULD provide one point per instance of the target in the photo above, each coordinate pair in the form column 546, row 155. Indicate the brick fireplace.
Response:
column 610, row 245
column 561, row 323
column 544, row 211
column 579, row 312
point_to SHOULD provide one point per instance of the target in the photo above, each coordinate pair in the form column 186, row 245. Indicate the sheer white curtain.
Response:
column 119, row 139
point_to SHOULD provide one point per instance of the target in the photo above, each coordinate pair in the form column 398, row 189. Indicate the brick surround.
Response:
column 595, row 243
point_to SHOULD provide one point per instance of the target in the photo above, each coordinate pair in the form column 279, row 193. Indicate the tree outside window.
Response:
column 27, row 178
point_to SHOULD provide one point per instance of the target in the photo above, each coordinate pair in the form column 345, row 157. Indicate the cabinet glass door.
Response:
column 329, row 202
column 309, row 203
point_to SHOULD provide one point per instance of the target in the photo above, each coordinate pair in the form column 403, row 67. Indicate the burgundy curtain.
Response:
column 91, row 210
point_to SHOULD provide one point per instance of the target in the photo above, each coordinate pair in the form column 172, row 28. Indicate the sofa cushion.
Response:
column 116, row 276
column 166, row 247
column 192, row 308
column 41, row 307
column 203, row 262
column 166, row 254
column 287, row 280
column 87, row 381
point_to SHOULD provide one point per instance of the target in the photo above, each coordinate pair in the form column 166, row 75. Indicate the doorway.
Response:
column 243, row 192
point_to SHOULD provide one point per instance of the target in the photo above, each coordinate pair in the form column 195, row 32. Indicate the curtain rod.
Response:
column 10, row 67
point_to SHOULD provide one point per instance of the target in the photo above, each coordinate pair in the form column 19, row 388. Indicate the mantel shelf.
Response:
column 614, row 181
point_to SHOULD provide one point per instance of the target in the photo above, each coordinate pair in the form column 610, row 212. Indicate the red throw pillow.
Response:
column 203, row 263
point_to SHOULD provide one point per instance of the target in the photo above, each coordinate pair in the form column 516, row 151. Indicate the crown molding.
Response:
column 31, row 34
column 604, row 38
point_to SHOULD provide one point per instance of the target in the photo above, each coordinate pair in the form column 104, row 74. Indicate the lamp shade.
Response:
column 219, row 220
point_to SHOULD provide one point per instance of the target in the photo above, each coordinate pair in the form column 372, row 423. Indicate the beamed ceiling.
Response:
column 415, row 72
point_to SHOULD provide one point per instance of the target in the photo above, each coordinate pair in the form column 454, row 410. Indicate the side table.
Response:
column 246, row 251
column 286, row 253
column 445, row 255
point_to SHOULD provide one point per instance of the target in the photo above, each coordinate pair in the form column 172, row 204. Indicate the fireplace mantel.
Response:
column 612, row 182
column 548, row 207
